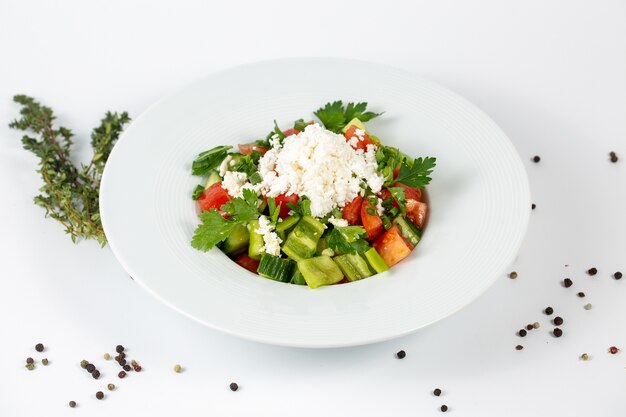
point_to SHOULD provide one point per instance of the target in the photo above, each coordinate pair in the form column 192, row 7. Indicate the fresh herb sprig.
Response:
column 215, row 228
column 335, row 115
column 417, row 174
column 70, row 193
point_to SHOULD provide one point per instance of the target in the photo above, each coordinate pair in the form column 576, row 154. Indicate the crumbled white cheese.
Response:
column 353, row 141
column 270, row 238
column 224, row 165
column 234, row 183
column 321, row 165
column 232, row 163
column 360, row 133
column 275, row 142
column 338, row 222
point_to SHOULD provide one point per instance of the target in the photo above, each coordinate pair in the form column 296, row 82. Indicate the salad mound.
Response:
column 317, row 204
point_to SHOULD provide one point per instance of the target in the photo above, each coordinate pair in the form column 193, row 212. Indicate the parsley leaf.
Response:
column 209, row 160
column 417, row 175
column 399, row 196
column 335, row 116
column 197, row 192
column 302, row 207
column 213, row 230
column 242, row 209
column 348, row 240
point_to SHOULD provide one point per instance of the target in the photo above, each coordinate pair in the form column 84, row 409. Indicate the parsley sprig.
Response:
column 335, row 116
column 215, row 228
column 417, row 174
column 348, row 239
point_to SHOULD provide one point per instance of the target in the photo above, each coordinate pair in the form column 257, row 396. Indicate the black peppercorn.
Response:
column 536, row 158
column 99, row 395
column 90, row 368
column 122, row 374
column 532, row 206
column 444, row 408
column 519, row 347
column 437, row 392
column 567, row 282
column 557, row 332
column 529, row 327
column 401, row 354
column 592, row 271
column 522, row 333
column 558, row 320
column 127, row 368
column 72, row 404
column 30, row 360
column 95, row 374
column 233, row 386
column 119, row 348
column 39, row 347
column 549, row 310
column 617, row 275
column 581, row 294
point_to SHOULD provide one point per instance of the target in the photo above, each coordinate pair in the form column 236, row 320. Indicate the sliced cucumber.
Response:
column 353, row 266
column 276, row 268
column 301, row 242
column 406, row 230
column 287, row 224
column 237, row 241
column 319, row 271
column 214, row 177
column 256, row 240
column 375, row 261
column 297, row 277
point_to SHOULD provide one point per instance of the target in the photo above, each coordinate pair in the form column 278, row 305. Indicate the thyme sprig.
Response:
column 70, row 193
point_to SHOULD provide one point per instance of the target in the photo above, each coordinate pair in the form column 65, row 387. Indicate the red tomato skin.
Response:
column 361, row 144
column 290, row 132
column 282, row 198
column 214, row 197
column 351, row 211
column 396, row 171
column 417, row 211
column 410, row 193
column 391, row 246
column 246, row 149
column 372, row 223
column 247, row 262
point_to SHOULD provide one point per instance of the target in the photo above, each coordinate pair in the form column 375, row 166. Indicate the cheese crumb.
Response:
column 321, row 165
column 234, row 183
column 270, row 238
column 338, row 222
column 379, row 207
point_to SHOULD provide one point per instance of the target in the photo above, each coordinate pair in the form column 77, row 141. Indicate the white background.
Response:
column 551, row 73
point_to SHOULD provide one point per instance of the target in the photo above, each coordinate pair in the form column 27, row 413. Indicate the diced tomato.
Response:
column 343, row 281
column 385, row 194
column 416, row 211
column 392, row 247
column 249, row 147
column 350, row 211
column 247, row 262
column 396, row 171
column 361, row 144
column 214, row 197
column 372, row 223
column 290, row 132
column 282, row 198
column 410, row 193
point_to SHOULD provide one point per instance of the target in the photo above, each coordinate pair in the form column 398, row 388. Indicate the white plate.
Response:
column 479, row 202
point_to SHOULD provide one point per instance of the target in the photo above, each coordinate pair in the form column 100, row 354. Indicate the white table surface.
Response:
column 552, row 74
